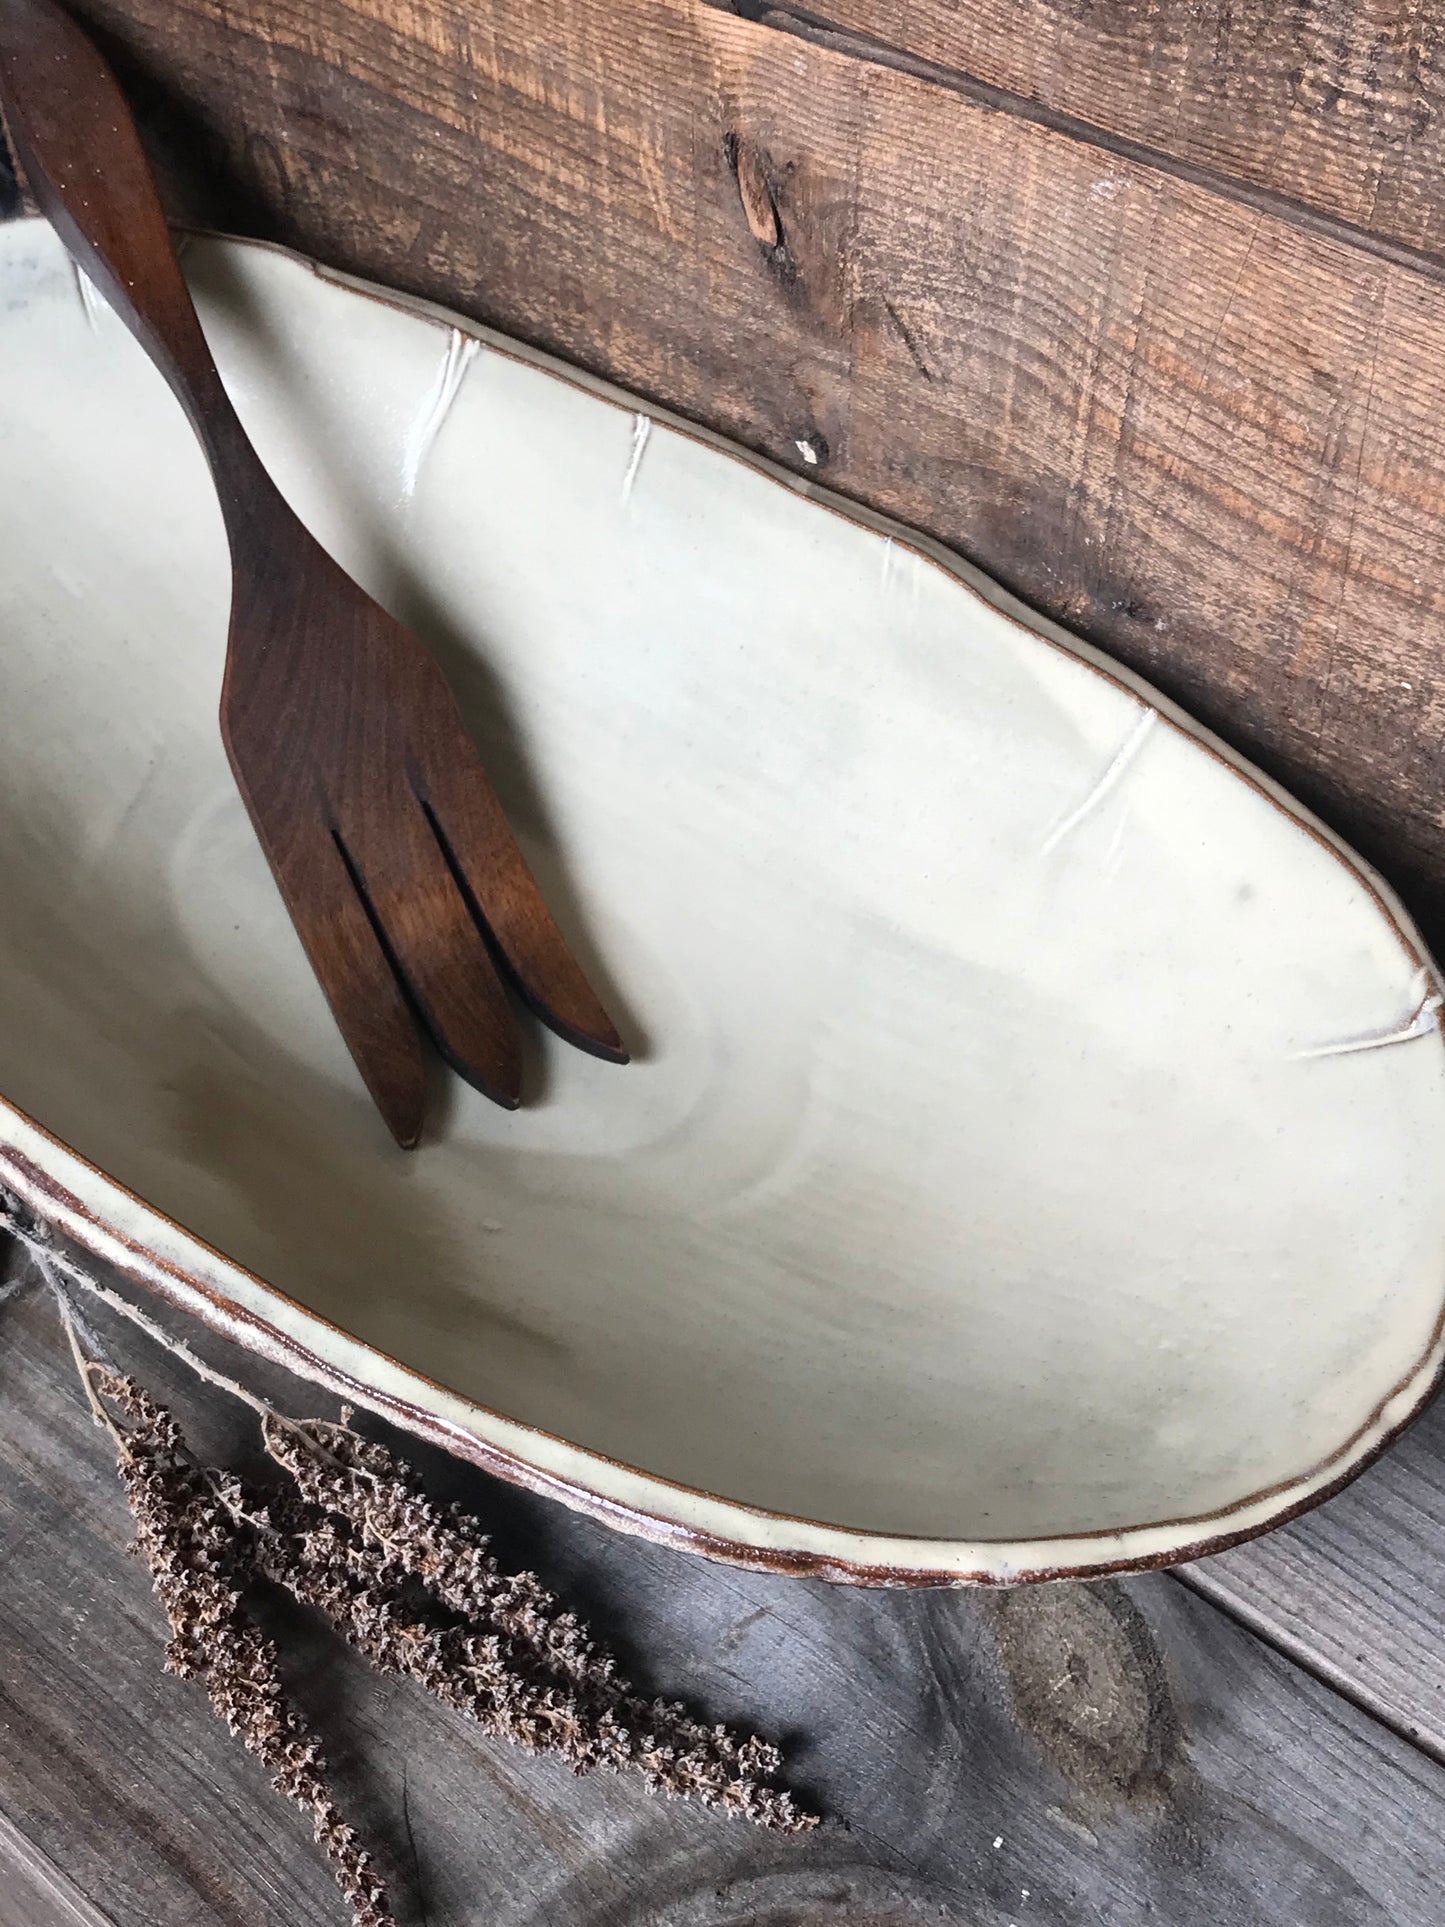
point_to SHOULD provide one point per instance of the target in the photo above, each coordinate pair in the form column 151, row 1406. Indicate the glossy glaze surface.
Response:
column 1036, row 1127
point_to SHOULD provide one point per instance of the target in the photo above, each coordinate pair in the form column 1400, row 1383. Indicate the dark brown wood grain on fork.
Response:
column 398, row 867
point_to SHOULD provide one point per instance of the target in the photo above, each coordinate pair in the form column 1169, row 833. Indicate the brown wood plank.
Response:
column 1356, row 1591
column 1339, row 106
column 1108, row 1753
column 1200, row 435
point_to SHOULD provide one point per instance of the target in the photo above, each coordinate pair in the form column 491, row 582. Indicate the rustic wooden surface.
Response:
column 1356, row 1591
column 1334, row 108
column 1144, row 310
column 1071, row 1754
column 1200, row 429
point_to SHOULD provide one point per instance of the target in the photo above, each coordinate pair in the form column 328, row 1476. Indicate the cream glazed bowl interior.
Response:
column 1032, row 1161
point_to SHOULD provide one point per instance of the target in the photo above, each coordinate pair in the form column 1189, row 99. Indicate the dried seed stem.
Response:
column 84, row 1367
column 411, row 1584
column 198, row 1567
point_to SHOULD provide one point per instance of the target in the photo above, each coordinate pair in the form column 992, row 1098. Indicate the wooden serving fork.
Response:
column 388, row 843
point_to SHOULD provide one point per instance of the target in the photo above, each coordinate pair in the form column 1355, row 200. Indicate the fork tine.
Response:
column 503, row 896
column 351, row 966
column 435, row 946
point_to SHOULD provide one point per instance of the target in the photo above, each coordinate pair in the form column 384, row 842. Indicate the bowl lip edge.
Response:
column 206, row 1283
column 816, row 1550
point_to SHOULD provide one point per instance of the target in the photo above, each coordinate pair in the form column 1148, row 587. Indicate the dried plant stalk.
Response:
column 186, row 1533
column 364, row 1537
column 413, row 1586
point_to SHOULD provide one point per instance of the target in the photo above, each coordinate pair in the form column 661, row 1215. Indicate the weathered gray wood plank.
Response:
column 1356, row 1590
column 33, row 1890
column 1132, row 1751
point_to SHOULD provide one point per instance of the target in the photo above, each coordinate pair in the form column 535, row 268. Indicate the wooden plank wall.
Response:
column 1327, row 108
column 1198, row 426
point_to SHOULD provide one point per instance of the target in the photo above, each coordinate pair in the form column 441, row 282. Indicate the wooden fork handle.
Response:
column 78, row 144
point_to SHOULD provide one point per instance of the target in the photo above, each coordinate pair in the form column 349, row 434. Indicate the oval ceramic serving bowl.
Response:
column 1033, row 1159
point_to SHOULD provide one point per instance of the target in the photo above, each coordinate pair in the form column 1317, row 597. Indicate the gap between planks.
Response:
column 1298, row 1652
column 33, row 1890
column 851, row 44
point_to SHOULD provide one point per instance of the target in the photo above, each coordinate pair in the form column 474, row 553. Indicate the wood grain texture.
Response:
column 1107, row 1753
column 33, row 1890
column 1200, row 435
column 1356, row 1591
column 1336, row 105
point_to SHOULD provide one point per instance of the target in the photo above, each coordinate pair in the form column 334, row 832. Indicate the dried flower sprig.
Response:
column 507, row 1655
column 412, row 1585
column 186, row 1534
